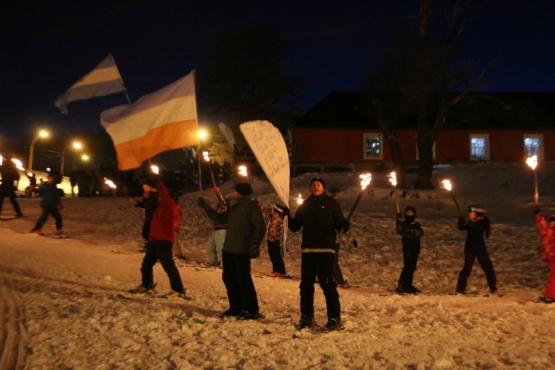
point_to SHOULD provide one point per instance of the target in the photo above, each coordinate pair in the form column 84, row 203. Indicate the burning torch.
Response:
column 393, row 180
column 447, row 185
column 532, row 162
column 243, row 172
column 216, row 189
column 364, row 182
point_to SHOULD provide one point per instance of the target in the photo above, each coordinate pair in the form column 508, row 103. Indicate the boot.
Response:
column 306, row 321
column 334, row 323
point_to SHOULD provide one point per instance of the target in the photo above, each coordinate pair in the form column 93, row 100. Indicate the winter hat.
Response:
column 243, row 188
column 478, row 209
column 410, row 208
column 320, row 180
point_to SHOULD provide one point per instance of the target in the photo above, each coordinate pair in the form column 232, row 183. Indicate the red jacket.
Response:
column 548, row 238
column 162, row 224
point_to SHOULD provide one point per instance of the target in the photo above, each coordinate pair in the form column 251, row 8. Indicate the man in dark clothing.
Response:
column 10, row 175
column 246, row 228
column 320, row 218
column 149, row 202
column 50, row 204
column 411, row 232
column 215, row 244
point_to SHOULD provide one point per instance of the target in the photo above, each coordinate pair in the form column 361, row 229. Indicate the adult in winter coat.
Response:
column 245, row 231
column 149, row 202
column 10, row 175
column 219, row 217
column 547, row 232
column 320, row 217
column 477, row 227
column 161, row 238
column 50, row 204
column 411, row 232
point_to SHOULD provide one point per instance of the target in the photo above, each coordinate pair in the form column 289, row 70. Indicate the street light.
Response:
column 42, row 133
column 85, row 158
column 201, row 135
column 75, row 145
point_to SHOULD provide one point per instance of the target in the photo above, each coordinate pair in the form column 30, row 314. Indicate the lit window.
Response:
column 373, row 144
column 533, row 145
column 479, row 147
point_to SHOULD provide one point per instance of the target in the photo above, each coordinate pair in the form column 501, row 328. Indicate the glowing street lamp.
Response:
column 43, row 134
column 85, row 157
column 75, row 145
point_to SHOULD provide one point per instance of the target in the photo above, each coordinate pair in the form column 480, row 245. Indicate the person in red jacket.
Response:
column 161, row 238
column 547, row 232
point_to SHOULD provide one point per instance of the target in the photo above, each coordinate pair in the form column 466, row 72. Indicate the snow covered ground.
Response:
column 60, row 309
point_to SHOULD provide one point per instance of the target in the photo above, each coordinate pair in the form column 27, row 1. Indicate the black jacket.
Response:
column 411, row 232
column 475, row 232
column 245, row 228
column 321, row 218
column 219, row 219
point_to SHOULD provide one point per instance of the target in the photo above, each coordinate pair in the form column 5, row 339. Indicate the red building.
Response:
column 342, row 130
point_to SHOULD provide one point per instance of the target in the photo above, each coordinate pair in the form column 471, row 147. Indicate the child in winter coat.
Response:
column 411, row 232
column 547, row 232
column 274, row 236
column 477, row 227
column 216, row 242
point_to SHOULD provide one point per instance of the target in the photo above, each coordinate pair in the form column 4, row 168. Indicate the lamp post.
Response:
column 75, row 145
column 201, row 135
column 42, row 133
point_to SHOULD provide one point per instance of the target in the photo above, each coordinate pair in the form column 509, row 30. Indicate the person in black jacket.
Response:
column 149, row 202
column 50, row 204
column 477, row 227
column 10, row 175
column 215, row 244
column 411, row 232
column 321, row 218
column 246, row 228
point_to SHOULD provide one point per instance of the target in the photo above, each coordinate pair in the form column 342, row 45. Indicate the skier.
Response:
column 149, row 202
column 219, row 217
column 274, row 236
column 50, row 204
column 411, row 232
column 547, row 232
column 477, row 227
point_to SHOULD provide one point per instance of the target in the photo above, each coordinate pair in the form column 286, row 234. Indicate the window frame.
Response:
column 487, row 146
column 374, row 135
column 540, row 147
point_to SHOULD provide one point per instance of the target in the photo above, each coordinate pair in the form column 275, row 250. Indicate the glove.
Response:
column 255, row 250
column 537, row 210
column 200, row 201
column 216, row 189
column 346, row 227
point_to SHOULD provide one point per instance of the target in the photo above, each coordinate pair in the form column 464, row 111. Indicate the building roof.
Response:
column 492, row 111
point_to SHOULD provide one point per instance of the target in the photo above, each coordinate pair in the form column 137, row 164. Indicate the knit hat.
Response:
column 410, row 208
column 243, row 188
column 320, row 180
column 478, row 209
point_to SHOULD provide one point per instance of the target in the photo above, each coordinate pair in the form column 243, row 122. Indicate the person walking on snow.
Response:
column 547, row 232
column 149, row 202
column 320, row 217
column 477, row 227
column 219, row 217
column 411, row 232
column 10, row 175
column 50, row 204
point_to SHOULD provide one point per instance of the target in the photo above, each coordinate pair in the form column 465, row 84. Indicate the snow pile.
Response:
column 64, row 303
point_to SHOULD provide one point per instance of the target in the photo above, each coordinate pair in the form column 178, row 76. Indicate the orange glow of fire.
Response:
column 365, row 180
column 393, row 178
column 205, row 156
column 532, row 162
column 447, row 185
column 110, row 183
column 300, row 199
column 243, row 170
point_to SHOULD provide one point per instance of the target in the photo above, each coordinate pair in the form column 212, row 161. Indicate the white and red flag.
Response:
column 104, row 79
column 163, row 120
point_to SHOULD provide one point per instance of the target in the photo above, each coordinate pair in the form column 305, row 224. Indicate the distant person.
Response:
column 411, row 232
column 547, row 232
column 73, row 180
column 161, row 239
column 10, row 177
column 245, row 231
column 149, row 203
column 32, row 188
column 477, row 228
column 219, row 218
column 274, row 239
column 320, row 217
column 50, row 204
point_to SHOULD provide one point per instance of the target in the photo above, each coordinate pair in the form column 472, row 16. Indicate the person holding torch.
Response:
column 546, row 229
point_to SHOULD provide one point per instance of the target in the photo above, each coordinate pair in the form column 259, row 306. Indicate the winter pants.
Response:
column 410, row 258
column 237, row 279
column 318, row 265
column 160, row 250
column 550, row 286
column 214, row 246
column 274, row 251
column 10, row 193
column 337, row 274
column 55, row 212
column 485, row 263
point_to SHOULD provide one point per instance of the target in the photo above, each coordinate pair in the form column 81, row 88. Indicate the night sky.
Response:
column 48, row 45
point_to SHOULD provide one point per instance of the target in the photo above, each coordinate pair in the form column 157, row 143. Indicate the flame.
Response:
column 300, row 199
column 243, row 171
column 393, row 178
column 155, row 169
column 532, row 161
column 365, row 179
column 205, row 156
column 447, row 185
column 17, row 163
column 110, row 183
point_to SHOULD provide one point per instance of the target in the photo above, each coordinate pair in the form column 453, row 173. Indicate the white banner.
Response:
column 268, row 146
column 228, row 134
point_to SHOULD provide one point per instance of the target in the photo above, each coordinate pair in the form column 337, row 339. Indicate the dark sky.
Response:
column 46, row 46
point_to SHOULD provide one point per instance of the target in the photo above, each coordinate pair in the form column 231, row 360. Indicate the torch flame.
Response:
column 447, row 185
column 243, row 170
column 393, row 178
column 300, row 199
column 205, row 156
column 110, row 183
column 365, row 179
column 155, row 169
column 532, row 161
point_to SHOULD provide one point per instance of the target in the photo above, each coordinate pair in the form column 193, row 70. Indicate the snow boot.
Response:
column 334, row 323
column 306, row 321
column 141, row 289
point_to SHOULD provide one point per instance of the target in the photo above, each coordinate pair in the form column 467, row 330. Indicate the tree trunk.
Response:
column 425, row 161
